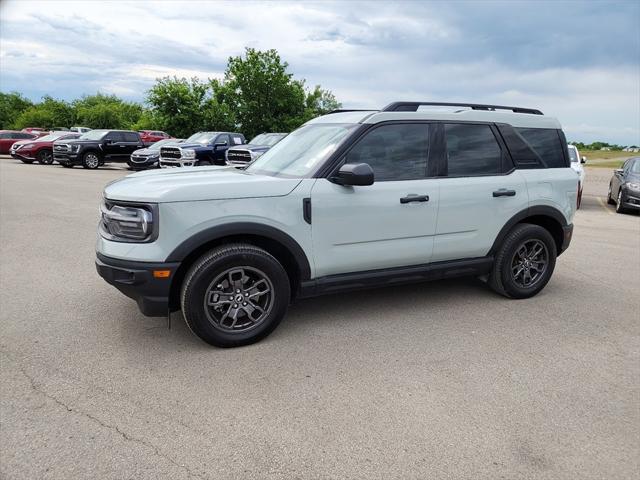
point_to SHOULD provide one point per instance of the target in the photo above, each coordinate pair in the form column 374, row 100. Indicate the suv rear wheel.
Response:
column 235, row 295
column 90, row 160
column 524, row 263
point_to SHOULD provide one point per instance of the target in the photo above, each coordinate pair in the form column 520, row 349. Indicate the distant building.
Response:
column 631, row 149
column 605, row 149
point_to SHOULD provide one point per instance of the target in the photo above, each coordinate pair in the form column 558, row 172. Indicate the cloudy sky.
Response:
column 578, row 61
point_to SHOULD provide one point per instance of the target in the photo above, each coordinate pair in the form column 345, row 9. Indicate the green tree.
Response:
column 321, row 102
column 260, row 93
column 178, row 104
column 48, row 113
column 107, row 111
column 11, row 106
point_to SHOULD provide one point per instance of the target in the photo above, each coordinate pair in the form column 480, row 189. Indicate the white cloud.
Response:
column 368, row 54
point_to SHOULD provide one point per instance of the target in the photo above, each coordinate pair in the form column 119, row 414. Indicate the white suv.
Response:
column 352, row 199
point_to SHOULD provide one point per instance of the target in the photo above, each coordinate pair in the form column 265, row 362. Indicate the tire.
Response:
column 45, row 157
column 235, row 271
column 90, row 160
column 619, row 207
column 609, row 199
column 507, row 278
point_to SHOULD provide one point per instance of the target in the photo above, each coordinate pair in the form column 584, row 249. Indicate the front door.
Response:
column 388, row 224
column 477, row 194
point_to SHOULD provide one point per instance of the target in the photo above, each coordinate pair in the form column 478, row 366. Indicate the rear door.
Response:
column 131, row 142
column 479, row 191
column 385, row 225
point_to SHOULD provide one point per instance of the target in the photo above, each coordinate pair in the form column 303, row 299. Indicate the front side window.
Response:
column 394, row 152
column 546, row 143
column 472, row 150
column 301, row 152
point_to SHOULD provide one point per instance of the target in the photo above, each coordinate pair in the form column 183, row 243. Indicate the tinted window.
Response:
column 223, row 139
column 472, row 150
column 395, row 152
column 24, row 135
column 130, row 137
column 114, row 137
column 546, row 143
column 5, row 135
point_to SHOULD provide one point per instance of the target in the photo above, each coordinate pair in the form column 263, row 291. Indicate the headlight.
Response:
column 128, row 223
column 188, row 153
column 255, row 155
column 26, row 146
column 633, row 186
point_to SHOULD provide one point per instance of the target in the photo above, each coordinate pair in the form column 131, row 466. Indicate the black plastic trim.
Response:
column 396, row 276
column 243, row 228
column 135, row 279
column 413, row 106
column 306, row 210
column 541, row 210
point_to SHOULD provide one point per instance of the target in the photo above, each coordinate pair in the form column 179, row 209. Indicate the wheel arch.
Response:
column 549, row 218
column 276, row 242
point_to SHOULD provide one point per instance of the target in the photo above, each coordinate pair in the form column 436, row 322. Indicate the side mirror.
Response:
column 583, row 160
column 618, row 171
column 108, row 141
column 359, row 174
column 219, row 145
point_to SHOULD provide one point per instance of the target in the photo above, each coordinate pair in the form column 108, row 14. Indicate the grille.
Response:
column 139, row 158
column 170, row 152
column 239, row 156
column 61, row 148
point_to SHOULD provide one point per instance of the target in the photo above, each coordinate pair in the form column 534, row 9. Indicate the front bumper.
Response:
column 66, row 158
column 137, row 281
column 631, row 200
column 140, row 163
column 20, row 155
column 177, row 162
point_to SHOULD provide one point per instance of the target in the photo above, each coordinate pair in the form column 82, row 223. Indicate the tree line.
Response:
column 257, row 94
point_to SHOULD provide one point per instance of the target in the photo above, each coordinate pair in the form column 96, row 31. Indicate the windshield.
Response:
column 93, row 135
column 302, row 151
column 52, row 136
column 267, row 139
column 201, row 137
column 573, row 154
column 635, row 166
column 161, row 143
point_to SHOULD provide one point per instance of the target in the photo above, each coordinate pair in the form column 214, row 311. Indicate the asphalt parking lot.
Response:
column 439, row 380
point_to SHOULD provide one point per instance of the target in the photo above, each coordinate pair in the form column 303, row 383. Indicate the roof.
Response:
column 516, row 119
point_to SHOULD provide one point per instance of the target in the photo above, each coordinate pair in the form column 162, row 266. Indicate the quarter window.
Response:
column 546, row 143
column 394, row 152
column 472, row 150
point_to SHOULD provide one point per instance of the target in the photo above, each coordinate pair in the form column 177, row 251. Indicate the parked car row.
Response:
column 140, row 150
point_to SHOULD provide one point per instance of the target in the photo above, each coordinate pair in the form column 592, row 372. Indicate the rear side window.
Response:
column 394, row 152
column 472, row 150
column 130, row 137
column 546, row 143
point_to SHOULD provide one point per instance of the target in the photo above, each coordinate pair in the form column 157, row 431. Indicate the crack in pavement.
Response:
column 37, row 388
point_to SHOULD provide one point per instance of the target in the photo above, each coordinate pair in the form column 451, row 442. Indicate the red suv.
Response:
column 36, row 130
column 39, row 149
column 9, row 137
column 152, row 136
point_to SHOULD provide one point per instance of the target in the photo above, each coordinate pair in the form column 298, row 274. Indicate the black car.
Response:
column 96, row 147
column 624, row 187
column 150, row 157
column 243, row 155
column 202, row 148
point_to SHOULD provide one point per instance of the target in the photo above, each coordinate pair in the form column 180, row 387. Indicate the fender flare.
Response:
column 538, row 210
column 243, row 228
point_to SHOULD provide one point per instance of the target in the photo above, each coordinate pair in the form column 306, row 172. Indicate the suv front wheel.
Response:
column 235, row 295
column 90, row 160
column 524, row 263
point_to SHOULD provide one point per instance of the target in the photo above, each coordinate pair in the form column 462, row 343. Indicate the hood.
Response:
column 147, row 151
column 251, row 147
column 188, row 145
column 191, row 184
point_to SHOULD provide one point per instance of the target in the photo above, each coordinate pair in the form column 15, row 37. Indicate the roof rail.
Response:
column 413, row 107
column 342, row 110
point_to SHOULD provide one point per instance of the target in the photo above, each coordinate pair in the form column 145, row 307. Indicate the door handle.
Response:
column 503, row 192
column 414, row 198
